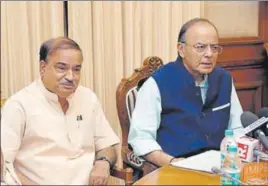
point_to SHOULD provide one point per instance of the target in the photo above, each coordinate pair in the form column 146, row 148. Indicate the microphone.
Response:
column 262, row 137
column 264, row 113
column 251, row 123
column 223, row 173
column 257, row 153
column 247, row 118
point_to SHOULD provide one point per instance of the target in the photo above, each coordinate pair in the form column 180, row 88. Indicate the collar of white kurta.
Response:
column 50, row 95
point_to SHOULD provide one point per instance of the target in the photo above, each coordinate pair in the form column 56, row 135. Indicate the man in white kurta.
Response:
column 48, row 144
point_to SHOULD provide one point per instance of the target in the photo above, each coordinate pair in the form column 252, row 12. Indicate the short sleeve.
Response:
column 104, row 136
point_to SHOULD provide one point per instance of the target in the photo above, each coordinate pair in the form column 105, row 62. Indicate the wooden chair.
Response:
column 125, row 101
column 266, row 47
column 125, row 174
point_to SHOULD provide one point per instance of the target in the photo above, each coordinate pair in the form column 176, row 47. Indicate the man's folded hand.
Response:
column 100, row 173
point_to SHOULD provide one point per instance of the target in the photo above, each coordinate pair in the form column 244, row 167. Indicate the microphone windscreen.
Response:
column 248, row 118
column 263, row 112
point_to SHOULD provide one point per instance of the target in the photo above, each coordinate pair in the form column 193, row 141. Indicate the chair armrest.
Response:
column 137, row 162
column 124, row 174
column 132, row 159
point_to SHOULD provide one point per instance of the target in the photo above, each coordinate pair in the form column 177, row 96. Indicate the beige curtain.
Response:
column 117, row 36
column 24, row 26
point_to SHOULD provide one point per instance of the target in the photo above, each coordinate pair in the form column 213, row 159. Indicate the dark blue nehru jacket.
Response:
column 188, row 125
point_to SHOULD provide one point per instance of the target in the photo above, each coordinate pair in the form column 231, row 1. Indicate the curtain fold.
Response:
column 24, row 26
column 117, row 36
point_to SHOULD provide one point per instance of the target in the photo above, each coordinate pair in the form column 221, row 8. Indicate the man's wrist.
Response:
column 170, row 161
column 104, row 159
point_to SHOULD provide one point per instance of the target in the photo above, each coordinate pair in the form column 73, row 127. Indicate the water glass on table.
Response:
column 258, row 171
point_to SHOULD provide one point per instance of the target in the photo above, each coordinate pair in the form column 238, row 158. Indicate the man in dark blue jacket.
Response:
column 185, row 106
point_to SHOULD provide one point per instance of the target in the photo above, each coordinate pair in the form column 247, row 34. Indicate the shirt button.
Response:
column 197, row 94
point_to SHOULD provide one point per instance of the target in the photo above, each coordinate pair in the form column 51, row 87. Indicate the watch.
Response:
column 105, row 159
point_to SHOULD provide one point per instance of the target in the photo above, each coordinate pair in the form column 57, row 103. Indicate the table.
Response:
column 170, row 175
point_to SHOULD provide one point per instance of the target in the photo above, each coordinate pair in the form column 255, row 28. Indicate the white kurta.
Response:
column 47, row 146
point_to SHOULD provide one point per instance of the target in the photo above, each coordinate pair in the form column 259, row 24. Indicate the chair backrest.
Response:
column 266, row 47
column 127, row 90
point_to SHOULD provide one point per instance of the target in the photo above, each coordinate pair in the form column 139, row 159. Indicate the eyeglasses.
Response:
column 201, row 48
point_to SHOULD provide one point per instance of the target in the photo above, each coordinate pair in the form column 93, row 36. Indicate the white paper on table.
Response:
column 201, row 162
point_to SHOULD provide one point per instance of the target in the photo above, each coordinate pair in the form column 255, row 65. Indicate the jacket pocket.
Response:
column 221, row 107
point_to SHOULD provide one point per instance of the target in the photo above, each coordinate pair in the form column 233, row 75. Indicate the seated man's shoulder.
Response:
column 168, row 65
column 23, row 95
column 166, row 69
column 222, row 71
